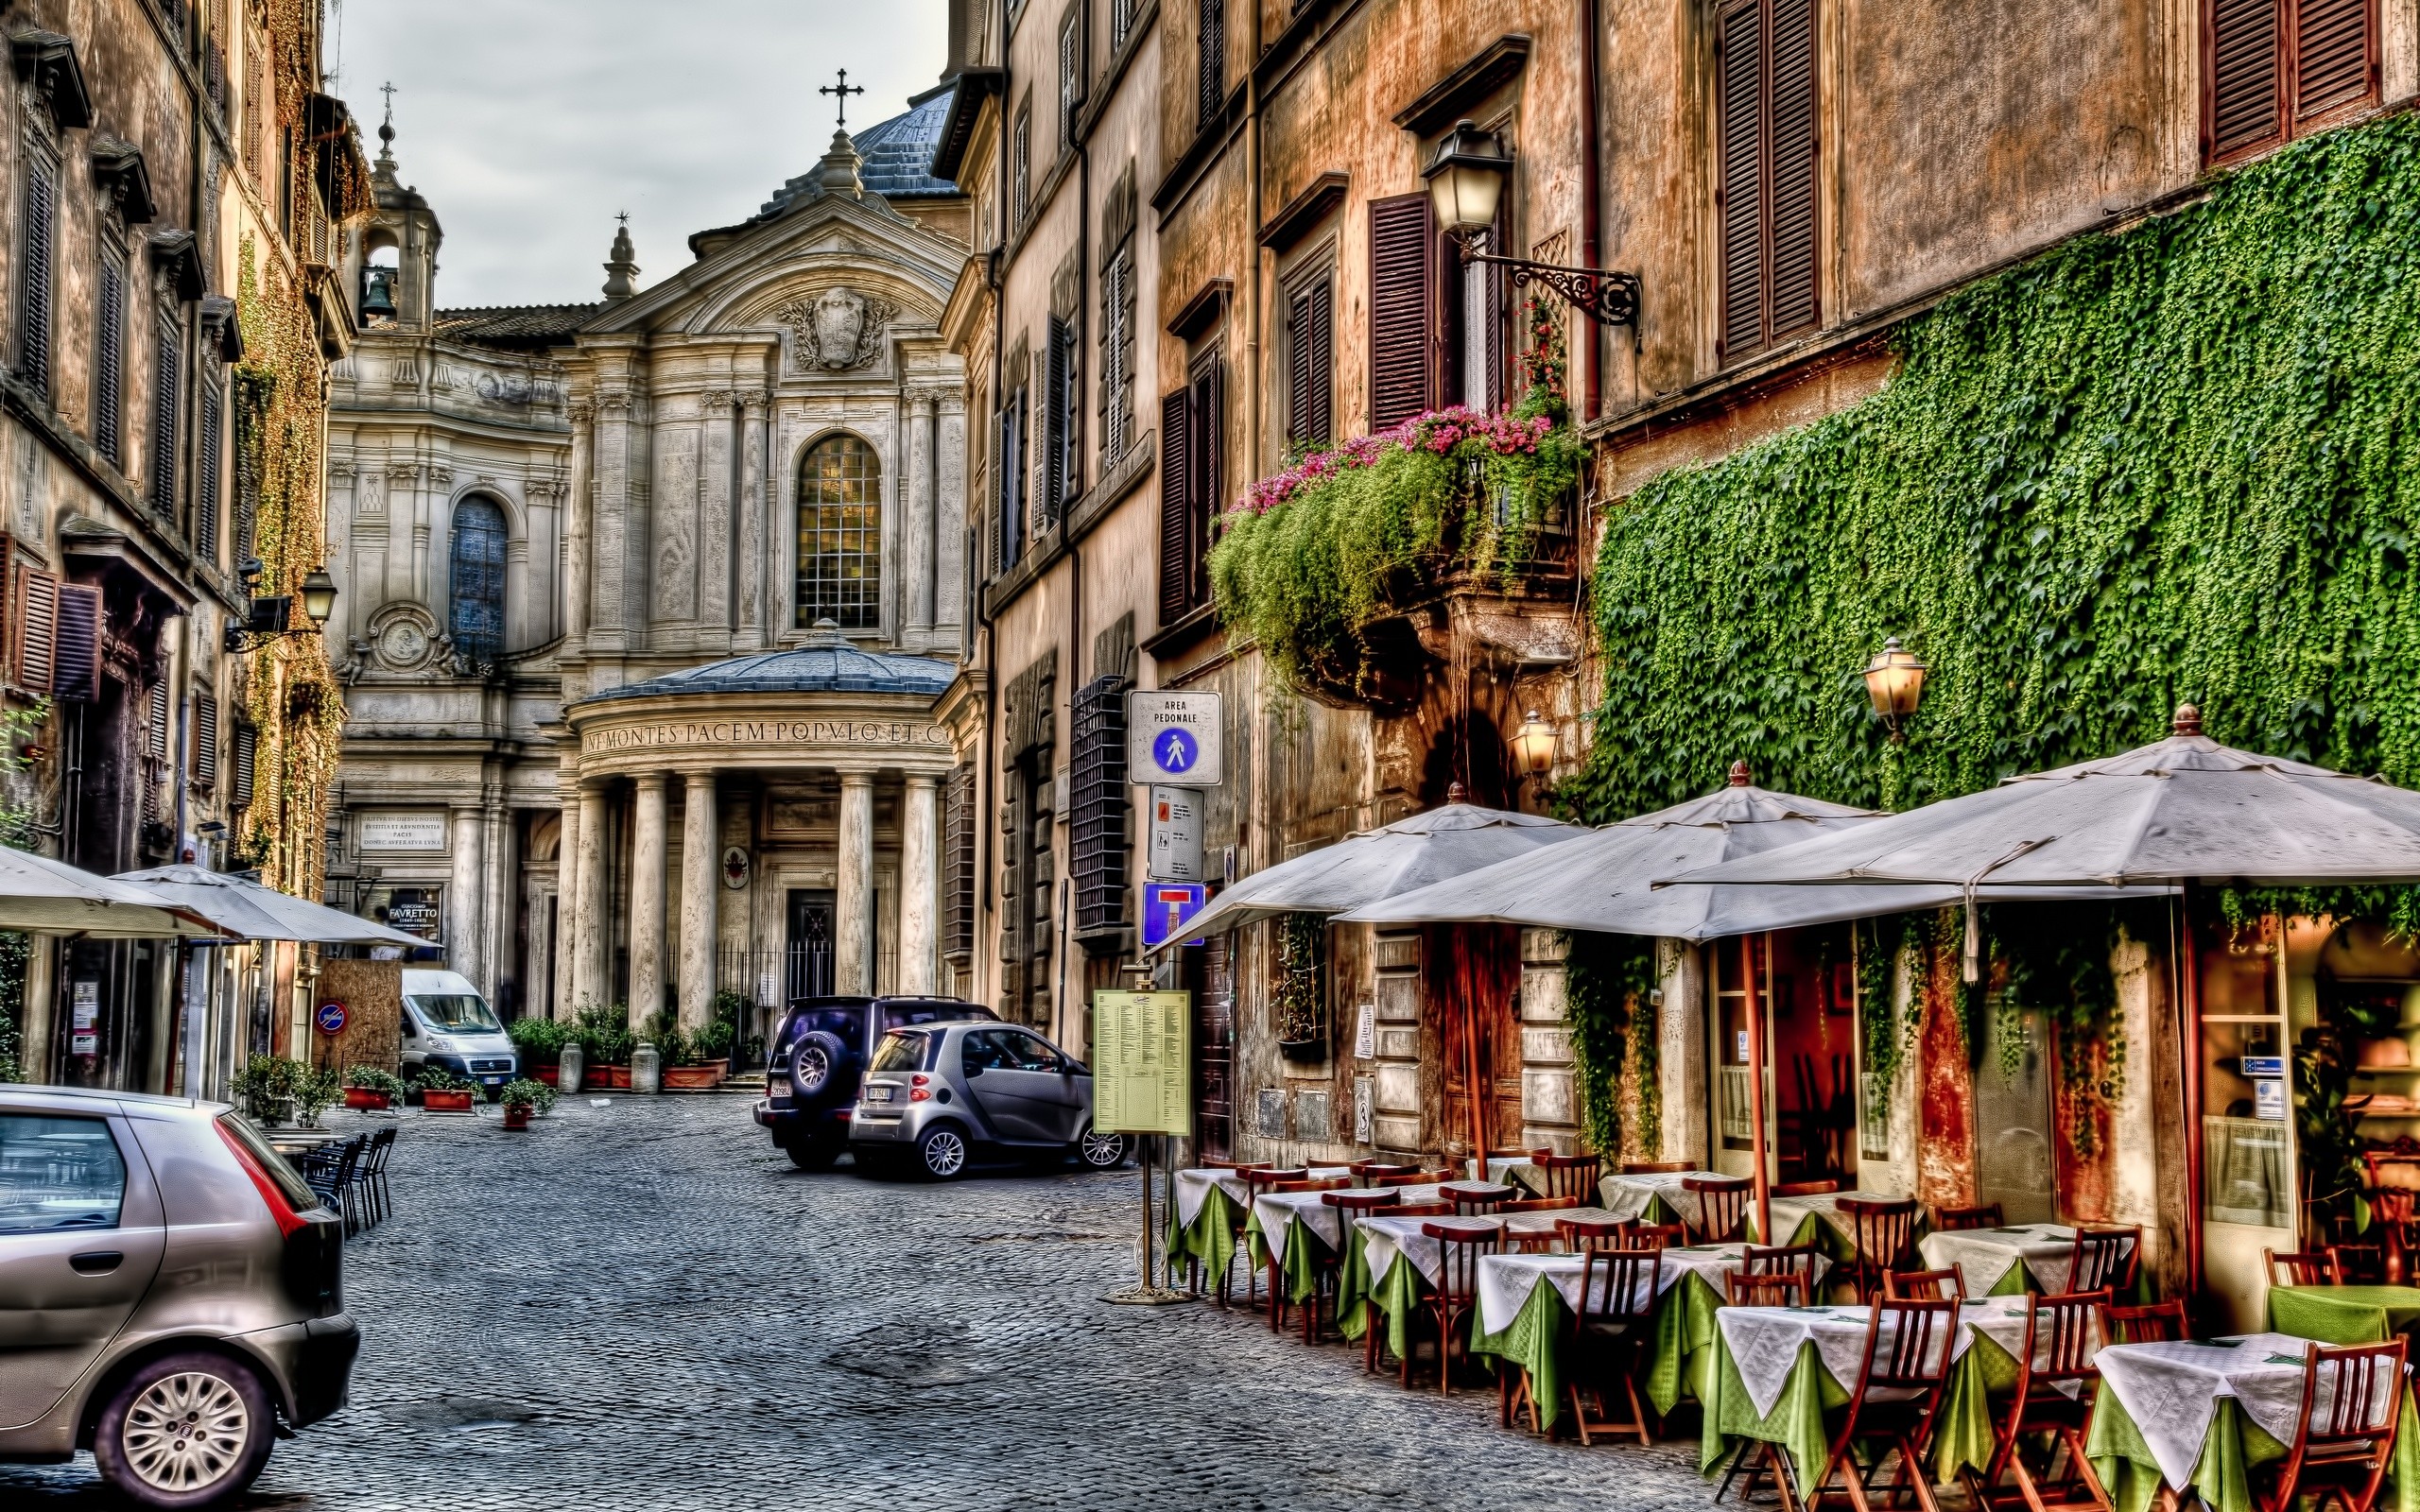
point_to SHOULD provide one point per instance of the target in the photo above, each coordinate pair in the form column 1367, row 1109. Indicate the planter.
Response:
column 1304, row 1051
column 608, row 1078
column 439, row 1101
column 367, row 1099
column 551, row 1076
column 692, row 1078
column 516, row 1115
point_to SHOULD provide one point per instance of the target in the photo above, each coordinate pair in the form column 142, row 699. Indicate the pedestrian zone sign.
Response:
column 1142, row 1077
column 1167, row 907
column 1173, row 739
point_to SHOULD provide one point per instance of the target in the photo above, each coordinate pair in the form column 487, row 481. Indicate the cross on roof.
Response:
column 388, row 90
column 843, row 89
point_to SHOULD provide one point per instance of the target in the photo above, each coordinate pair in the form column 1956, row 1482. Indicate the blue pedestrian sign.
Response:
column 1173, row 739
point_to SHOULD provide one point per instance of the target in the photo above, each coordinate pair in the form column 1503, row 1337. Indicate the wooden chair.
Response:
column 1805, row 1261
column 1231, row 1165
column 1765, row 1288
column 2056, row 1386
column 1580, row 1235
column 1722, row 1207
column 1654, row 1167
column 1352, row 1205
column 1455, row 1299
column 2344, row 1434
column 1658, row 1235
column 1409, row 1178
column 1924, row 1285
column 1949, row 1220
column 2308, row 1268
column 1567, row 1176
column 2153, row 1323
column 1898, row 1387
column 1478, row 1201
column 1423, row 1210
column 1612, row 1328
column 1324, row 1183
column 2105, row 1257
column 1882, row 1233
column 2360, row 1264
column 1802, row 1189
column 1532, row 1241
column 1367, row 1172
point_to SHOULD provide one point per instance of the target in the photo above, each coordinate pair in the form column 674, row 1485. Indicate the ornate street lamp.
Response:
column 1533, row 746
column 318, row 597
column 1467, row 183
column 1895, row 681
column 266, row 620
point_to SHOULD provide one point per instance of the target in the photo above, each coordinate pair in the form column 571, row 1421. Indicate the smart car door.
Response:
column 81, row 1232
column 1057, row 1087
column 1013, row 1100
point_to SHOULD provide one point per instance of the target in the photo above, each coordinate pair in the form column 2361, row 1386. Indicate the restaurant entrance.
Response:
column 1474, row 977
column 1803, row 985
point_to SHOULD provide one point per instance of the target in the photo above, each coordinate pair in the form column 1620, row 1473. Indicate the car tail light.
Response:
column 288, row 1221
column 920, row 1088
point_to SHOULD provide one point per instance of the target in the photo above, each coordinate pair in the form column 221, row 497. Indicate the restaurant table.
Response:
column 1818, row 1220
column 1389, row 1264
column 1776, row 1372
column 1518, row 1171
column 2027, row 1256
column 1652, row 1197
column 2202, row 1417
column 1207, row 1210
column 1280, row 1219
column 1527, row 1302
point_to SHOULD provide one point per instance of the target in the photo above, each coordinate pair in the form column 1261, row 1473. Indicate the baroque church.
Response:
column 647, row 603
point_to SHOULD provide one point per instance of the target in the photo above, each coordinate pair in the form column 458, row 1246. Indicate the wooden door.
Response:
column 1209, row 975
column 1474, row 978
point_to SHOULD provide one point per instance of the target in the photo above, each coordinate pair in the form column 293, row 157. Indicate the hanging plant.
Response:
column 1301, row 1005
column 1609, row 1008
column 1888, row 1033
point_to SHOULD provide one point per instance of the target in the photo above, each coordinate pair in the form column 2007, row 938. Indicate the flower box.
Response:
column 608, row 1078
column 516, row 1115
column 445, row 1102
column 366, row 1099
column 551, row 1076
column 692, row 1078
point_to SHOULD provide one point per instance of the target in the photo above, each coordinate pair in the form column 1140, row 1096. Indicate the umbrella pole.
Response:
column 1764, row 1191
column 1479, row 1098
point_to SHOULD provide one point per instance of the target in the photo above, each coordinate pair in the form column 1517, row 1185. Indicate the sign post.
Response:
column 1143, row 1085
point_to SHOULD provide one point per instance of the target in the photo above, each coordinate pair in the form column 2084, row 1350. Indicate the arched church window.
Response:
column 379, row 276
column 477, row 620
column 840, row 535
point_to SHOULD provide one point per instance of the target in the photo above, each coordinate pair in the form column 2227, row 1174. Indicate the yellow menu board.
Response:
column 1141, row 1073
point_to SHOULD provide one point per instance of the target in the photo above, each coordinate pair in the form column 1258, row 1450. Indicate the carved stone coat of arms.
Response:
column 837, row 331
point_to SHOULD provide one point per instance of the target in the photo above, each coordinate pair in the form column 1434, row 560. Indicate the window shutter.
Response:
column 1212, row 60
column 1098, row 837
column 1176, row 480
column 246, row 758
column 37, row 630
column 1208, row 418
column 1740, row 132
column 957, row 864
column 1298, row 367
column 1498, row 295
column 1054, row 422
column 2335, row 60
column 76, row 671
column 1792, row 152
column 1070, row 88
column 108, row 363
column 155, row 712
column 166, row 371
column 1323, row 357
column 2245, row 76
column 35, row 277
column 1402, row 309
column 204, row 746
column 205, row 504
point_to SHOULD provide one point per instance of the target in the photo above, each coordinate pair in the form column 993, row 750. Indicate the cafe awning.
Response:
column 240, row 907
column 38, row 896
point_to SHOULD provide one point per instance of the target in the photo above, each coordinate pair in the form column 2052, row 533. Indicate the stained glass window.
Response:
column 477, row 620
column 840, row 535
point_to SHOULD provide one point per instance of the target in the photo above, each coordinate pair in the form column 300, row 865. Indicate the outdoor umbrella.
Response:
column 1362, row 868
column 38, row 896
column 245, row 908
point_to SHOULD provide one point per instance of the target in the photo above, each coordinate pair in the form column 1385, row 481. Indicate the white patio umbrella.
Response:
column 38, row 896
column 242, row 907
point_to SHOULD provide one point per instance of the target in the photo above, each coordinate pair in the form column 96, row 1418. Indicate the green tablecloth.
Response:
column 1680, row 1357
column 1301, row 1265
column 1210, row 1237
column 1812, row 1229
column 2344, row 1315
column 1395, row 1295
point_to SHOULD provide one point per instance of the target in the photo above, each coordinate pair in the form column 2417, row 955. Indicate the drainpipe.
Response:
column 1591, row 190
column 1252, row 327
column 1072, row 476
column 988, row 776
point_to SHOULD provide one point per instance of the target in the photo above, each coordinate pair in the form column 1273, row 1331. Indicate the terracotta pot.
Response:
column 441, row 1102
column 692, row 1078
column 609, row 1078
column 364, row 1097
column 551, row 1076
column 516, row 1115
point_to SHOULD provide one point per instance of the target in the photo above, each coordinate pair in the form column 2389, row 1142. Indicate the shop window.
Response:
column 840, row 535
column 2246, row 1145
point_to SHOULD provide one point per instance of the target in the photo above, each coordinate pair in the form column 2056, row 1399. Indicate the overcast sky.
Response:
column 528, row 123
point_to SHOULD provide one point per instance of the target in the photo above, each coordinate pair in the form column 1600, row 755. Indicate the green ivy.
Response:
column 2179, row 463
column 1609, row 982
column 2396, row 908
column 1889, row 1034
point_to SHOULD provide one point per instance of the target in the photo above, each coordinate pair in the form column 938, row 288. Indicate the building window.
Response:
column 1063, row 472
column 1765, row 137
column 477, row 591
column 1189, row 430
column 167, row 397
column 109, row 356
column 1117, row 352
column 1310, row 362
column 1403, row 264
column 2279, row 68
column 1097, row 830
column 1021, row 164
column 1010, row 541
column 1071, row 77
column 38, row 220
column 840, row 535
column 211, row 417
column 1211, row 58
column 958, row 865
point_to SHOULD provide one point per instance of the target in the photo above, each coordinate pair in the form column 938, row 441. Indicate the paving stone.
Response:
column 644, row 1306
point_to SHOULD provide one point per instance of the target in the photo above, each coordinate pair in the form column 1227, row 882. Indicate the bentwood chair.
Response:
column 1611, row 1330
column 2311, row 1268
column 2104, row 1255
column 1455, row 1299
column 1654, row 1167
column 1658, row 1235
column 1421, row 1210
column 1950, row 1220
column 1566, row 1175
column 1365, row 1173
column 1530, row 1241
column 1924, row 1285
column 1802, row 1189
column 1779, row 1288
column 1805, row 1261
column 1882, row 1233
column 1351, row 1205
column 2153, row 1323
column 1477, row 1199
column 1899, row 1382
column 2360, row 1264
column 2056, row 1386
column 1411, row 1179
column 1580, row 1235
column 1722, row 1207
column 2344, row 1434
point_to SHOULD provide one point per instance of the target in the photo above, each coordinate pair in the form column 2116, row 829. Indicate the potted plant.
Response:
column 606, row 1041
column 524, row 1100
column 540, row 1042
column 266, row 1087
column 681, row 1071
column 372, row 1087
column 441, row 1091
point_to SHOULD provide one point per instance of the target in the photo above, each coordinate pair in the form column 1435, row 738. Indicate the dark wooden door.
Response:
column 1209, row 976
column 808, row 968
column 1474, row 979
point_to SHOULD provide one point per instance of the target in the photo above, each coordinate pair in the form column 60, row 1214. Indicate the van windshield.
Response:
column 455, row 1013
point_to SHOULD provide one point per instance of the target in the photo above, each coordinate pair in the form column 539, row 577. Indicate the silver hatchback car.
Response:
column 170, row 1293
column 938, row 1095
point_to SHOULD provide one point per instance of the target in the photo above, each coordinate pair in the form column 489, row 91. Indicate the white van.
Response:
column 447, row 1025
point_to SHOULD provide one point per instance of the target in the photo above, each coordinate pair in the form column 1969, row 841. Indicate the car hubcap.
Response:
column 185, row 1431
column 944, row 1154
column 1103, row 1149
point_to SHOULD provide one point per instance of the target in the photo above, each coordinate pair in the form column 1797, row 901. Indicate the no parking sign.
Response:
column 331, row 1019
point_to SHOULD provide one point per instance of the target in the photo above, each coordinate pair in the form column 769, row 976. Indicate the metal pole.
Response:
column 1756, row 1075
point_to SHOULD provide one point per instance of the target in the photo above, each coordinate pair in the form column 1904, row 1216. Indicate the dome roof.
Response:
column 826, row 663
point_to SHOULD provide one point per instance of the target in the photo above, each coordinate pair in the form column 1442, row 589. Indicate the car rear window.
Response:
column 895, row 1015
column 848, row 1025
column 901, row 1050
column 57, row 1173
column 297, row 1191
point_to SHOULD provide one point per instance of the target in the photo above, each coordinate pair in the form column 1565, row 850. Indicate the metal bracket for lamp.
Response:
column 1604, row 295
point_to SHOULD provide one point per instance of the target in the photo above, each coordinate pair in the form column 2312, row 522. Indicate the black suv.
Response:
column 818, row 1057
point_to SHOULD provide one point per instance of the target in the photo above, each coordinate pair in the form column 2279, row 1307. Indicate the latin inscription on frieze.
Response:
column 763, row 735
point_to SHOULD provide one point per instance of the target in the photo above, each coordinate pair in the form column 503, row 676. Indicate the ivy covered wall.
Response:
column 2179, row 463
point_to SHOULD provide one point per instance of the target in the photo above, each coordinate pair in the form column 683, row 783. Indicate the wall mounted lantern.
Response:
column 1533, row 746
column 1467, row 183
column 1895, row 681
column 268, row 617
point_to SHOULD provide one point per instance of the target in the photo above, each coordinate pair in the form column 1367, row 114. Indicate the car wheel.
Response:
column 941, row 1153
column 814, row 1154
column 1102, row 1152
column 184, row 1431
column 816, row 1063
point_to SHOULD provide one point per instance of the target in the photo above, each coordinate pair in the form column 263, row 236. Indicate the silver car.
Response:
column 939, row 1095
column 170, row 1293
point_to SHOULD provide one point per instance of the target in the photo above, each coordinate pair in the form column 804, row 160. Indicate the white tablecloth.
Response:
column 1506, row 1281
column 1385, row 1238
column 1983, row 1257
column 1790, row 1214
column 1544, row 1223
column 1193, row 1186
column 1764, row 1341
column 1278, row 1211
column 1627, row 1196
column 2172, row 1391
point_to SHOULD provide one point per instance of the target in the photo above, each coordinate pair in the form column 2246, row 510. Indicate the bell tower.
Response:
column 393, row 261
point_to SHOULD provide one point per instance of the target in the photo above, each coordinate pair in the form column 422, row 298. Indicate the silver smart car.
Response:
column 937, row 1095
column 170, row 1293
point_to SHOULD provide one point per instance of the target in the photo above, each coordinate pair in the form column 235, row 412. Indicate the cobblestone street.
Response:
column 642, row 1305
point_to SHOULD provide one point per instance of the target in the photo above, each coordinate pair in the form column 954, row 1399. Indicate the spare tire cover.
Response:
column 815, row 1066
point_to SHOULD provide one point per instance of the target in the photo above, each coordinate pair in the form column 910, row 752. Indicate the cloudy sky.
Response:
column 528, row 123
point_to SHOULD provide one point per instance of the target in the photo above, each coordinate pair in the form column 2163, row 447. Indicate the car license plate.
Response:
column 879, row 1094
column 493, row 1081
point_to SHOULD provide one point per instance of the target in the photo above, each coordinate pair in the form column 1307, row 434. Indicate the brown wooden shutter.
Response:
column 37, row 630
column 204, row 746
column 155, row 715
column 2246, row 78
column 76, row 672
column 1211, row 56
column 245, row 759
column 2335, row 55
column 1322, row 354
column 166, row 395
column 1403, row 310
column 205, row 494
column 1791, row 91
column 1055, row 423
column 108, row 363
column 1740, row 138
column 37, row 250
column 1176, row 477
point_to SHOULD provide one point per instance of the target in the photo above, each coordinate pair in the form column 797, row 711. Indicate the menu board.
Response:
column 1142, row 1071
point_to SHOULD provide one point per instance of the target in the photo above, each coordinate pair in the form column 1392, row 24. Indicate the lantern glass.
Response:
column 1534, row 744
column 1895, row 681
column 319, row 595
column 1466, row 179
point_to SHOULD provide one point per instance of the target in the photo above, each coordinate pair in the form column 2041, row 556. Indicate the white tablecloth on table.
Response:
column 1627, row 1196
column 1193, row 1186
column 1983, row 1257
column 1764, row 1341
column 1507, row 1282
column 2173, row 1390
column 1384, row 1238
column 1544, row 1222
column 1790, row 1214
column 1278, row 1211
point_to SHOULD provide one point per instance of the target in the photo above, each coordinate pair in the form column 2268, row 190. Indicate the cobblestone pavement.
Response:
column 642, row 1305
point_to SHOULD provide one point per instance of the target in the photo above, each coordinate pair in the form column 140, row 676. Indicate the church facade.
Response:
column 646, row 603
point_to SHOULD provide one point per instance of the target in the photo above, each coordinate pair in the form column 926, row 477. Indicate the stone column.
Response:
column 647, row 899
column 464, row 910
column 853, row 932
column 566, row 908
column 501, row 880
column 576, row 523
column 757, row 598
column 919, row 892
column 588, row 900
column 700, row 876
column 916, row 571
